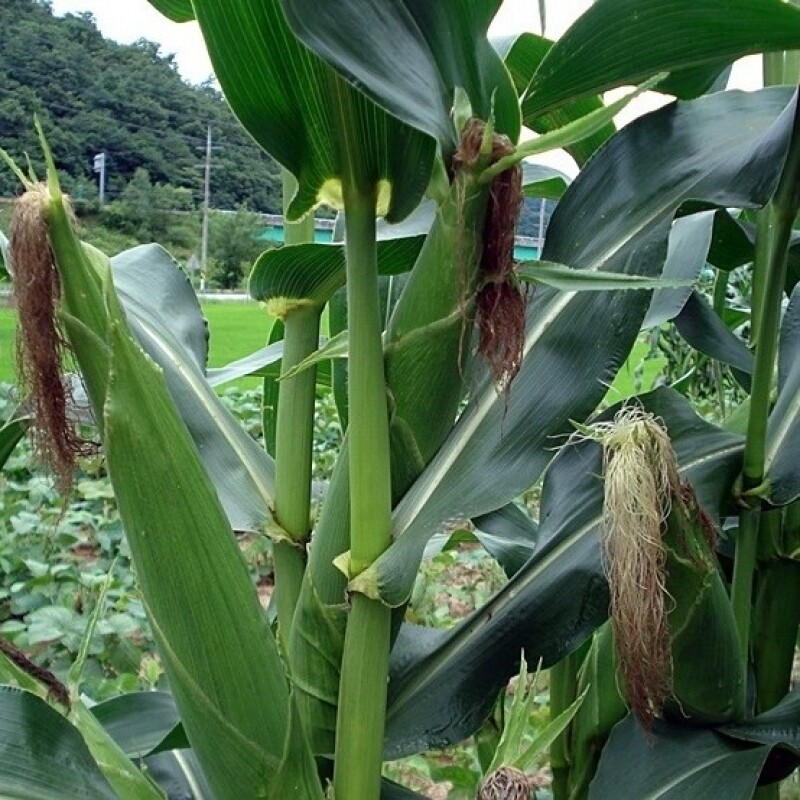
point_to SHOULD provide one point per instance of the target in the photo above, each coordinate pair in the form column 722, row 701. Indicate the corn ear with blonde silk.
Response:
column 218, row 651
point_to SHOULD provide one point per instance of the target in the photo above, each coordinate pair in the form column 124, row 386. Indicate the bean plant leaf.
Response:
column 42, row 755
column 410, row 56
column 522, row 55
column 307, row 118
column 443, row 683
column 165, row 316
column 606, row 220
column 689, row 241
column 592, row 57
column 675, row 762
column 782, row 465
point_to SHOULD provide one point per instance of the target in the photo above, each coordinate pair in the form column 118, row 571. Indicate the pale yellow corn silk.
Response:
column 641, row 480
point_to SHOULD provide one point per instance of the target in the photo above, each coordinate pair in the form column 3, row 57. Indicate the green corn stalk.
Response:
column 602, row 708
column 219, row 652
column 294, row 430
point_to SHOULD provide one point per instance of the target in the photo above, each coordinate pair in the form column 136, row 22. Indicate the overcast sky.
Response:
column 135, row 19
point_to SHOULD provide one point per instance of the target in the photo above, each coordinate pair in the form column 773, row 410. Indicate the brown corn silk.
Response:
column 41, row 345
column 500, row 302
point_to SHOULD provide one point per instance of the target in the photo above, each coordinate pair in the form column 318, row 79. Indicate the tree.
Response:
column 233, row 246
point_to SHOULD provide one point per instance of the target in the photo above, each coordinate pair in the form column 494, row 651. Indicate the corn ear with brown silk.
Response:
column 212, row 635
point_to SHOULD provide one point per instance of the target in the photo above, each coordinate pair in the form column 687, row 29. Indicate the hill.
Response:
column 129, row 101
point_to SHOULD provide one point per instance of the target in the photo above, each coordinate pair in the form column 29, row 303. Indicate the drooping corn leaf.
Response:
column 782, row 466
column 42, row 755
column 689, row 241
column 410, row 56
column 706, row 332
column 164, row 314
column 675, row 762
column 508, row 535
column 443, row 683
column 606, row 220
column 663, row 35
column 778, row 726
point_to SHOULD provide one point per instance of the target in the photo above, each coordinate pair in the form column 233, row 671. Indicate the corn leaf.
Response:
column 410, row 56
column 165, row 316
column 689, row 241
column 566, row 279
column 10, row 433
column 139, row 722
column 675, row 762
column 36, row 743
column 292, row 104
column 783, row 432
column 522, row 55
column 664, row 35
column 541, row 181
column 176, row 10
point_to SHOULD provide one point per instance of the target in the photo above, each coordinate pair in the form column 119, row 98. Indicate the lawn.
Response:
column 237, row 329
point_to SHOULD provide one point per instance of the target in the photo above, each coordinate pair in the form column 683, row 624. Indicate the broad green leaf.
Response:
column 541, row 181
column 706, row 332
column 675, row 763
column 689, row 241
column 180, row 775
column 410, row 56
column 778, row 726
column 508, row 535
column 689, row 83
column 165, row 316
column 725, row 148
column 443, row 683
column 782, row 467
column 138, row 722
column 127, row 780
column 176, row 10
column 592, row 57
column 304, row 115
column 567, row 279
column 313, row 272
column 42, row 756
column 522, row 55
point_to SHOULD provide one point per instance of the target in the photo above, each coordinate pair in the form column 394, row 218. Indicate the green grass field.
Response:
column 237, row 329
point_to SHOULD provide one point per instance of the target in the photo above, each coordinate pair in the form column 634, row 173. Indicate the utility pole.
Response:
column 100, row 166
column 206, row 195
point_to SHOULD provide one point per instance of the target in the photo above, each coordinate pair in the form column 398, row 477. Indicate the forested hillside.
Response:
column 95, row 95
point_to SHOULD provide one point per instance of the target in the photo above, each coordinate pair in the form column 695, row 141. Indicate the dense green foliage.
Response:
column 95, row 95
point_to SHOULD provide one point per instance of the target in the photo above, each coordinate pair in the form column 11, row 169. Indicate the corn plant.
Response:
column 460, row 379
